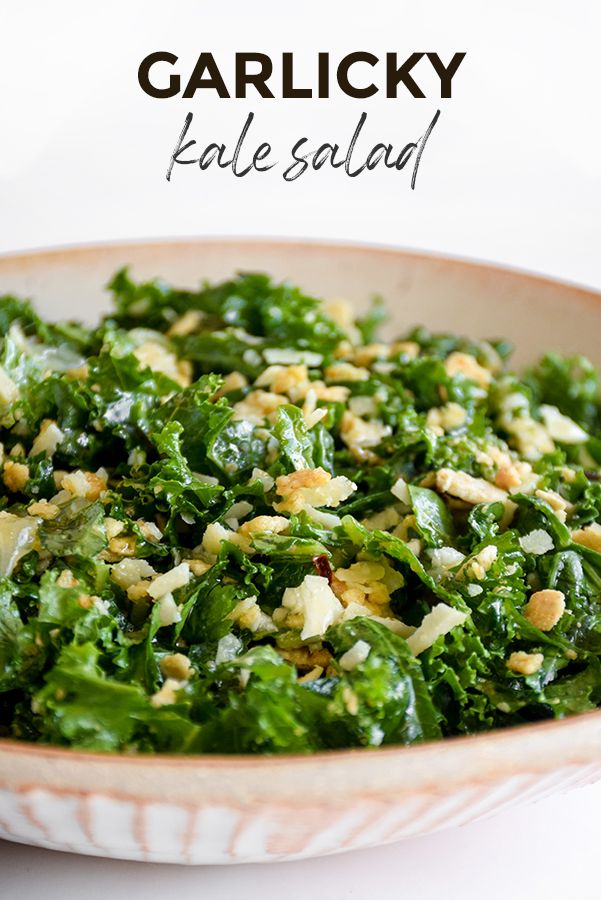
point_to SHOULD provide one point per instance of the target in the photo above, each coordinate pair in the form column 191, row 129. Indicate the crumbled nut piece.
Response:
column 88, row 485
column 446, row 418
column 248, row 614
column 363, row 405
column 589, row 536
column 186, row 324
column 315, row 673
column 130, row 571
column 343, row 313
column 356, row 432
column 344, row 350
column 48, row 439
column 264, row 525
column 464, row 364
column 369, row 584
column 478, row 566
column 122, row 546
column 466, row 487
column 198, row 566
column 404, row 527
column 344, row 371
column 214, row 536
column 258, row 406
column 305, row 658
column 288, row 356
column 80, row 373
column 545, row 608
column 15, row 475
column 507, row 477
column 311, row 487
column 58, row 476
column 176, row 666
column 290, row 380
column 138, row 591
column 167, row 695
column 43, row 509
column 529, row 437
column 383, row 521
column 233, row 381
column 364, row 356
column 558, row 504
column 525, row 663
column 405, row 348
column 156, row 357
column 113, row 527
column 150, row 531
column 170, row 581
column 336, row 393
column 350, row 700
column 66, row 579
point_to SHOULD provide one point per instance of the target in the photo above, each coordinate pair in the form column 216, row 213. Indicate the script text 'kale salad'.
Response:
column 233, row 521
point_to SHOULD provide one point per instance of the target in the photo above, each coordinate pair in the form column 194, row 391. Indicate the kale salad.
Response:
column 234, row 520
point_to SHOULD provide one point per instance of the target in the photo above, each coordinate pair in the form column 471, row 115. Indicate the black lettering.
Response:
column 262, row 152
column 375, row 155
column 300, row 162
column 327, row 152
column 445, row 73
column 343, row 75
column 179, row 149
column 210, row 152
column 347, row 162
column 144, row 75
column 394, row 75
column 289, row 92
column 323, row 75
column 258, row 79
column 421, row 144
column 238, row 149
column 205, row 63
column 404, row 156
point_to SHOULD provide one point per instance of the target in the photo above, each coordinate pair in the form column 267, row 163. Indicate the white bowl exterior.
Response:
column 222, row 811
column 99, row 824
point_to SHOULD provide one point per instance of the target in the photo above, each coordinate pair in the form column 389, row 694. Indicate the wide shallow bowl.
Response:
column 219, row 809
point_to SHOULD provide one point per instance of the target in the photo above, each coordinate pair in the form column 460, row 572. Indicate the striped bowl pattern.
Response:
column 201, row 810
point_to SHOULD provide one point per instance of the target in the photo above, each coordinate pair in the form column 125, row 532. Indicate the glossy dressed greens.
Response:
column 232, row 521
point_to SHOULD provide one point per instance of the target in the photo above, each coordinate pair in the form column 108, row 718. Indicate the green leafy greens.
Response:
column 231, row 521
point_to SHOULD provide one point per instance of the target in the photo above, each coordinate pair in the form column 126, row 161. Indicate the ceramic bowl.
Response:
column 239, row 809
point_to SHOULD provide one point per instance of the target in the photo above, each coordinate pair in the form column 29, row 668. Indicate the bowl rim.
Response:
column 588, row 723
column 474, row 264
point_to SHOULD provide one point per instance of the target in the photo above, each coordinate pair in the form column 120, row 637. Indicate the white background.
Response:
column 511, row 174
